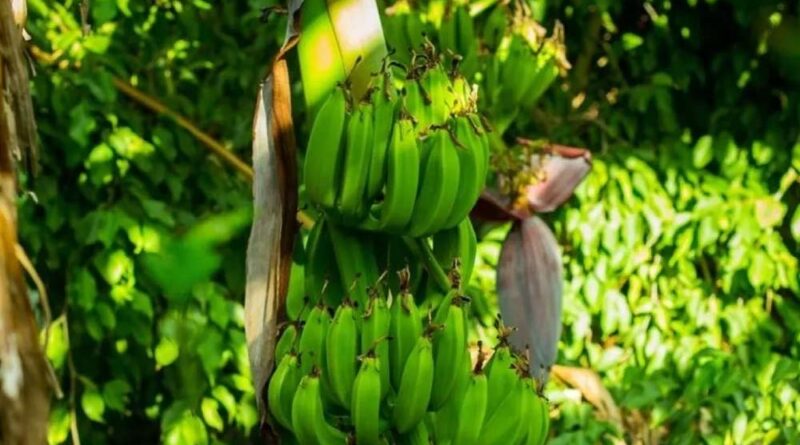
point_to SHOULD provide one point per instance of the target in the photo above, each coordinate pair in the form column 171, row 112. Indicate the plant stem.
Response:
column 422, row 250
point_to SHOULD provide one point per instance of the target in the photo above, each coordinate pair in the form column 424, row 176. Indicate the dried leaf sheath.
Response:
column 269, row 250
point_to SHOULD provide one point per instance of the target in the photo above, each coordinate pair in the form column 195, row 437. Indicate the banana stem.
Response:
column 422, row 250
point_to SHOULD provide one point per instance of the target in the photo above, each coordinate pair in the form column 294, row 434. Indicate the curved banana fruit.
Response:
column 438, row 187
column 402, row 178
column 449, row 346
column 472, row 170
column 385, row 107
column 308, row 418
column 342, row 353
column 501, row 425
column 286, row 342
column 358, row 155
column 457, row 242
column 415, row 387
column 311, row 346
column 375, row 337
column 437, row 84
column 501, row 377
column 281, row 389
column 325, row 152
column 366, row 402
column 472, row 411
column 446, row 419
column 405, row 328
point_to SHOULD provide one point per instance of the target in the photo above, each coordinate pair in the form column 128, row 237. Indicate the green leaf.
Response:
column 703, row 151
column 115, row 394
column 631, row 41
column 58, row 426
column 167, row 352
column 210, row 409
column 795, row 224
column 93, row 405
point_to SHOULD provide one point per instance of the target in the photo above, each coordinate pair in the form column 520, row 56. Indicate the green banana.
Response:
column 438, row 186
column 375, row 337
column 501, row 377
column 417, row 102
column 281, row 389
column 535, row 423
column 321, row 272
column 308, row 419
column 448, row 32
column 366, row 401
column 325, row 152
column 449, row 345
column 385, row 107
column 437, row 84
column 545, row 420
column 495, row 27
column 472, row 169
column 402, row 178
column 342, row 353
column 296, row 300
column 405, row 328
column 286, row 342
column 414, row 392
column 472, row 411
column 317, row 37
column 457, row 242
column 526, row 413
column 501, row 425
column 312, row 340
column 358, row 155
column 446, row 419
column 356, row 259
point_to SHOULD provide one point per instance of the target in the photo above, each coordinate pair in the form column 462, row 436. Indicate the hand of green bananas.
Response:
column 409, row 162
column 388, row 372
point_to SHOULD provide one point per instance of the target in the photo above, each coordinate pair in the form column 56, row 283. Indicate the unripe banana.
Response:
column 501, row 425
column 537, row 414
column 449, row 345
column 281, row 389
column 375, row 337
column 322, row 276
column 286, row 342
column 418, row 103
column 501, row 377
column 308, row 419
column 366, row 402
column 312, row 339
column 472, row 169
column 467, row 42
column 402, row 178
column 319, row 74
column 495, row 27
column 446, row 419
column 325, row 152
column 405, row 329
column 358, row 155
column 457, row 242
column 438, row 187
column 342, row 353
column 385, row 107
column 414, row 392
column 472, row 411
column 437, row 84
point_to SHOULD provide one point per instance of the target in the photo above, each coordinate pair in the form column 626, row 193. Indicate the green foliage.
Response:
column 137, row 230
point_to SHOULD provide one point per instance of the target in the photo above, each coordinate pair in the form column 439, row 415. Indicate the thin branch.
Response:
column 85, row 28
column 156, row 106
column 44, row 301
column 73, row 383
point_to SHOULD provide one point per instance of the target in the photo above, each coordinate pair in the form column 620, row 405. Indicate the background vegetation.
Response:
column 681, row 248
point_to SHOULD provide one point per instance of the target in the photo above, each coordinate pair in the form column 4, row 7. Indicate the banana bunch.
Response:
column 408, row 162
column 386, row 372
